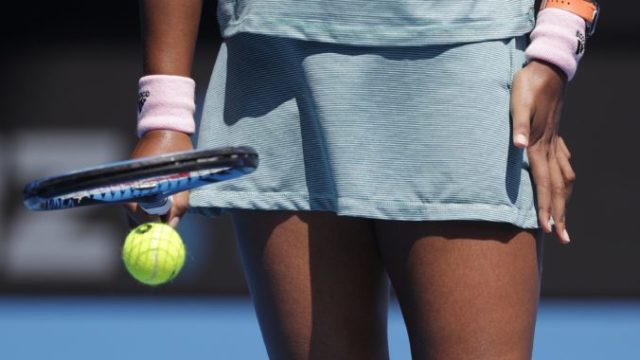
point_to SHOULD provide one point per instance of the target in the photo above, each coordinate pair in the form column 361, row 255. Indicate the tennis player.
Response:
column 405, row 143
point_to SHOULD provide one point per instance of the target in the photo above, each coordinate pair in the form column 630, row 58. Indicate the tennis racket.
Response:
column 149, row 181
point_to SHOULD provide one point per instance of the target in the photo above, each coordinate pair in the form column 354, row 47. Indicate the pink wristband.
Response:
column 558, row 38
column 166, row 102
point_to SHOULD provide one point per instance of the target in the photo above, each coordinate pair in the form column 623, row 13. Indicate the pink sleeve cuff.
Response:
column 166, row 102
column 558, row 38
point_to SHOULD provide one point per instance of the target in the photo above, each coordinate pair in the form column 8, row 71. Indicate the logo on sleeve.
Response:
column 581, row 42
column 142, row 98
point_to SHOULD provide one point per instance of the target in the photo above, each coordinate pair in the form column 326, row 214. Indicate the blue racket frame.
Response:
column 145, row 180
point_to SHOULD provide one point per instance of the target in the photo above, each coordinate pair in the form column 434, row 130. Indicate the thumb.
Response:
column 521, row 113
column 179, row 208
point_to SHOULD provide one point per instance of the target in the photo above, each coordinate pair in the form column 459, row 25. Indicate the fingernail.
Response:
column 565, row 237
column 174, row 222
column 521, row 140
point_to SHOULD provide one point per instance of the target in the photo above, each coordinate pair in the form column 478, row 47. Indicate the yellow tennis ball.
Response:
column 153, row 253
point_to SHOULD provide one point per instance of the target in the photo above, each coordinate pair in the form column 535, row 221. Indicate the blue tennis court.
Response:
column 214, row 328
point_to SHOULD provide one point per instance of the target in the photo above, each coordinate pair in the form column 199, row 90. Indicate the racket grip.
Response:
column 160, row 206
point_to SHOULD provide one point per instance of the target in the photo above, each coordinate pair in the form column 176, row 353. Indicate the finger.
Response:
column 539, row 163
column 563, row 148
column 568, row 174
column 521, row 113
column 131, row 222
column 130, row 208
column 558, row 198
column 130, row 212
column 180, row 206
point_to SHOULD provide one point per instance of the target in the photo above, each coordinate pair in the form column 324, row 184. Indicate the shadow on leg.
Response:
column 467, row 290
column 317, row 283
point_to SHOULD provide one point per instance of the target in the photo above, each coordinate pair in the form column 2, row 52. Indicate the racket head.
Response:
column 144, row 179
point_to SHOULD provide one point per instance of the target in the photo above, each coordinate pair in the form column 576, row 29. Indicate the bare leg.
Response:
column 317, row 282
column 467, row 290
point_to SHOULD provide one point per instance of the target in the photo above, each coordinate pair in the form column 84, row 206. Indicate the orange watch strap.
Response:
column 584, row 9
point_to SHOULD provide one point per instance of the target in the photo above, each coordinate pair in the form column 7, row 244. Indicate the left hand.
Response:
column 536, row 105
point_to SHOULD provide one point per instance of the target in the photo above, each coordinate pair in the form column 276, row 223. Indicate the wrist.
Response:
column 550, row 68
column 156, row 142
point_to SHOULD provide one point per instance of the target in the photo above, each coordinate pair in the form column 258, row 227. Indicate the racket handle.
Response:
column 160, row 206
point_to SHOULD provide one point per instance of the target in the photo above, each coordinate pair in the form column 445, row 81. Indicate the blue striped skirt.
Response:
column 402, row 133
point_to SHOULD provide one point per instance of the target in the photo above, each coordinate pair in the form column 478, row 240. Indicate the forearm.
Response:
column 169, row 32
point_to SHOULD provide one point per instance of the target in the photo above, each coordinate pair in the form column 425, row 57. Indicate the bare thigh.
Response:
column 467, row 290
column 317, row 282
